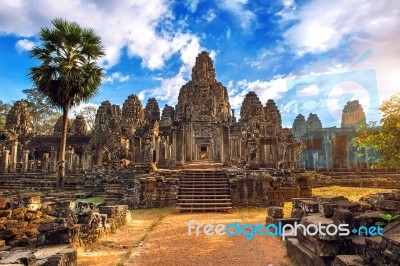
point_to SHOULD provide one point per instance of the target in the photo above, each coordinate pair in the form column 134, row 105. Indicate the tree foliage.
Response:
column 44, row 116
column 89, row 113
column 386, row 137
column 68, row 73
column 4, row 108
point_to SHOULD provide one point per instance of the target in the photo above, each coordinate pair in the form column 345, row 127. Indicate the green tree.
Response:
column 4, row 108
column 385, row 138
column 43, row 115
column 89, row 113
column 68, row 73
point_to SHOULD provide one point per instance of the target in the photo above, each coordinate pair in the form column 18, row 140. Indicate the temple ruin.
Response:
column 202, row 126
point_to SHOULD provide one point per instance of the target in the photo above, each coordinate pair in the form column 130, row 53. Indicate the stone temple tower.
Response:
column 353, row 114
column 203, row 116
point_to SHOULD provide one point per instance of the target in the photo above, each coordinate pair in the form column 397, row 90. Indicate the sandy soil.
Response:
column 160, row 237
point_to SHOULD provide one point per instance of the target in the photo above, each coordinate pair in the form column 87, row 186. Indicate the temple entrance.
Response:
column 203, row 152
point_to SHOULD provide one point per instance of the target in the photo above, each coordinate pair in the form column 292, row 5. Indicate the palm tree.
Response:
column 68, row 73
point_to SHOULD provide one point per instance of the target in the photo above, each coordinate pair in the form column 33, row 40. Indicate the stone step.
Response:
column 204, row 203
column 199, row 200
column 203, row 196
column 203, row 208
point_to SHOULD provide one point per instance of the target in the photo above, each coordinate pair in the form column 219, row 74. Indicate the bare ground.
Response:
column 160, row 237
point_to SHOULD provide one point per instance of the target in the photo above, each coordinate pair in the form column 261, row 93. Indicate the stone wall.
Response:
column 263, row 188
column 367, row 248
column 349, row 179
column 27, row 222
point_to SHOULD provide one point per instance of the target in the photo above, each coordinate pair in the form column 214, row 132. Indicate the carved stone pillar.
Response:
column 14, row 151
column 53, row 161
column 25, row 161
column 179, row 144
column 87, row 162
column 45, row 162
column 5, row 161
column 69, row 159
column 225, row 146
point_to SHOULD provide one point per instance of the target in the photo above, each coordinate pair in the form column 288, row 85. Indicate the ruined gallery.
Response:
column 197, row 156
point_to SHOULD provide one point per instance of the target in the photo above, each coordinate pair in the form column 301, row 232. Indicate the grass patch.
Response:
column 352, row 193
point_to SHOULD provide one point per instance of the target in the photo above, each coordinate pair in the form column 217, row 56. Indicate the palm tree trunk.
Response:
column 61, row 166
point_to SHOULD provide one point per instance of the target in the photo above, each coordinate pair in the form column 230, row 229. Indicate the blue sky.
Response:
column 309, row 56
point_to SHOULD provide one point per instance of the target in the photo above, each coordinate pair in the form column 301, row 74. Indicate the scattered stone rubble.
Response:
column 44, row 232
column 323, row 249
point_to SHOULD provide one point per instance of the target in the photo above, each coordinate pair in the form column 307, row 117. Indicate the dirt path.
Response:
column 116, row 248
column 160, row 237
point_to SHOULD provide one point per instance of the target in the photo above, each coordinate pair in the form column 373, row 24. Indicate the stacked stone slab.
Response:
column 62, row 255
column 19, row 219
column 354, row 249
column 267, row 188
column 375, row 179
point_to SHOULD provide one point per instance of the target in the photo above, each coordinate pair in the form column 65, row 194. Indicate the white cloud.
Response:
column 116, row 76
column 210, row 15
column 238, row 8
column 169, row 87
column 24, row 45
column 228, row 33
column 288, row 4
column 323, row 24
column 192, row 5
column 143, row 27
column 265, row 90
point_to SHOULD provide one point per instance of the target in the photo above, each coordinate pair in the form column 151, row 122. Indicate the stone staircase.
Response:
column 203, row 190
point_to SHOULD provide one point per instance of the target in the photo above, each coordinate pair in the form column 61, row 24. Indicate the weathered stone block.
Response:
column 55, row 237
column 302, row 255
column 275, row 212
column 390, row 205
column 364, row 206
column 20, row 257
column 327, row 208
column 32, row 202
column 319, row 247
column 348, row 260
column 349, row 205
column 342, row 216
column 283, row 221
column 367, row 219
column 297, row 213
column 32, row 215
column 85, row 207
column 4, row 203
column 386, row 195
column 18, row 214
column 296, row 202
column 5, row 214
column 319, row 219
column 358, row 243
column 328, row 198
column 309, row 206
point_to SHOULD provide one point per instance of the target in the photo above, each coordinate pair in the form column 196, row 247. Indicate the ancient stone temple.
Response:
column 258, row 139
column 353, row 114
column 327, row 148
column 18, row 119
column 152, row 111
column 203, row 116
column 202, row 126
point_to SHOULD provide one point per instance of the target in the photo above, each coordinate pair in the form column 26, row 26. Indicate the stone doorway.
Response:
column 203, row 155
